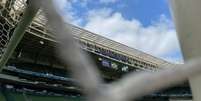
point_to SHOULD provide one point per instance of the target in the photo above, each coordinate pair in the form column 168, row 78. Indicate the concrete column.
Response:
column 187, row 16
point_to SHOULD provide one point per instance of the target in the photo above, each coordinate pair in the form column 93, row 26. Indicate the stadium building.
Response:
column 35, row 73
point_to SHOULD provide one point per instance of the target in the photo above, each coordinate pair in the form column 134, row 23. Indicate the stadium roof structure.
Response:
column 40, row 29
column 120, row 48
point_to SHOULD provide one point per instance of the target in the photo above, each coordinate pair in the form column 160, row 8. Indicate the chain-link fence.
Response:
column 130, row 87
column 83, row 69
column 6, row 24
column 11, row 12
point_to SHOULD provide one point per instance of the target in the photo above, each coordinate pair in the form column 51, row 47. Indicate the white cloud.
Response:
column 66, row 10
column 108, row 1
column 158, row 39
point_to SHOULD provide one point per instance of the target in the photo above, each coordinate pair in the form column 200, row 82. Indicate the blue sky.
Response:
column 145, row 11
column 142, row 24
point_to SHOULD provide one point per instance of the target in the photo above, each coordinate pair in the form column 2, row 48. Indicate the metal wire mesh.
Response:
column 10, row 13
column 132, row 86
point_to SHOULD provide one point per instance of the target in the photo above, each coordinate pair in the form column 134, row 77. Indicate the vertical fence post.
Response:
column 19, row 31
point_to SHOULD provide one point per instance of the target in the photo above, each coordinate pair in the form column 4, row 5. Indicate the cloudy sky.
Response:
column 142, row 24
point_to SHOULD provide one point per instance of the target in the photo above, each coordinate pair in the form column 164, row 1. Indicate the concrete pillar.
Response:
column 187, row 16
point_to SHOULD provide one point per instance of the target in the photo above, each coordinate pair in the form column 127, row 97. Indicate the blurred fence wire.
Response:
column 85, row 71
